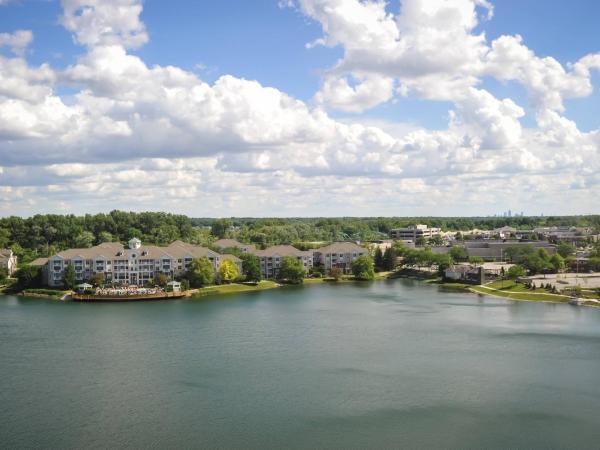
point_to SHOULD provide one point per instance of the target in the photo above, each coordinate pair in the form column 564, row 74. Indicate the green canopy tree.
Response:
column 378, row 260
column 251, row 267
column 362, row 268
column 69, row 277
column 389, row 259
column 200, row 272
column 292, row 270
column 516, row 271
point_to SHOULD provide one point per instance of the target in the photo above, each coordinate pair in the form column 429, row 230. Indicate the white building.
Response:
column 8, row 261
column 412, row 232
column 135, row 265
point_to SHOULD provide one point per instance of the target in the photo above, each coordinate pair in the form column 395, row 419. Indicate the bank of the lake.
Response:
column 390, row 364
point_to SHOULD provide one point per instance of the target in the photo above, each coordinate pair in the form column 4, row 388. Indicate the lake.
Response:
column 388, row 364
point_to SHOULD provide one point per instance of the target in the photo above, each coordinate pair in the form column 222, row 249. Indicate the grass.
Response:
column 49, row 293
column 515, row 292
column 235, row 288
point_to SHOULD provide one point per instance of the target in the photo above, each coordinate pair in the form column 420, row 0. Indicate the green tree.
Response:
column 476, row 260
column 200, row 272
column 220, row 227
column 69, row 277
column 458, row 253
column 228, row 270
column 378, row 260
column 98, row 279
column 28, row 277
column 161, row 279
column 105, row 236
column 84, row 240
column 436, row 240
column 362, row 268
column 516, row 271
column 251, row 267
column 3, row 274
column 557, row 262
column 420, row 242
column 565, row 249
column 389, row 259
column 292, row 270
column 336, row 273
column 443, row 262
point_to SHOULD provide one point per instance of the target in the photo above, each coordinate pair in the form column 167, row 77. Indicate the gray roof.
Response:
column 342, row 247
column 282, row 250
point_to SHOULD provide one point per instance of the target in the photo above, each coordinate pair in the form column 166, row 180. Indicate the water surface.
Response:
column 386, row 364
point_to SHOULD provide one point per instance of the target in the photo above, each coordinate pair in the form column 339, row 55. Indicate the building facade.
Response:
column 8, row 261
column 271, row 259
column 412, row 232
column 339, row 255
column 135, row 265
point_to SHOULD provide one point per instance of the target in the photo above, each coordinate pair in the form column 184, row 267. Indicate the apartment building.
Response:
column 340, row 255
column 8, row 261
column 232, row 243
column 272, row 258
column 134, row 265
column 412, row 232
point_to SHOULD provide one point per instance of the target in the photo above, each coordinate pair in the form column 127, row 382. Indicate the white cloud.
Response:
column 148, row 132
column 17, row 41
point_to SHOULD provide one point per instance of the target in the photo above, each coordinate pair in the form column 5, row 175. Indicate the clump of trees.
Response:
column 228, row 271
column 292, row 270
column 363, row 268
column 251, row 267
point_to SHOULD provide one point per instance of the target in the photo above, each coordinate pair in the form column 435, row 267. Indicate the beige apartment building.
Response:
column 232, row 243
column 272, row 257
column 340, row 255
column 134, row 265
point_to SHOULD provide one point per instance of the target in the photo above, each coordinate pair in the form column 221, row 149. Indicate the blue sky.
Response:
column 266, row 42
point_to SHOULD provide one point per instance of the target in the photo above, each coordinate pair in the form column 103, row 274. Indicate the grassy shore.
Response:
column 517, row 291
column 234, row 288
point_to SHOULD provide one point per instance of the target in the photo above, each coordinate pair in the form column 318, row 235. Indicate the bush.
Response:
column 363, row 269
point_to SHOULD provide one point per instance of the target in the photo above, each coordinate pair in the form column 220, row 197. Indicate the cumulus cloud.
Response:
column 17, row 41
column 137, row 131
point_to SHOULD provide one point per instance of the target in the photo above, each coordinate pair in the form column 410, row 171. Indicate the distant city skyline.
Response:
column 300, row 107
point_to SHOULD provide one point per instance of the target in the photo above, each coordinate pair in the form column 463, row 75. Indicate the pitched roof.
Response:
column 5, row 252
column 342, row 247
column 281, row 250
column 39, row 262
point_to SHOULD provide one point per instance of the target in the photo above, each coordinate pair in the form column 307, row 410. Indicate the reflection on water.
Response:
column 387, row 364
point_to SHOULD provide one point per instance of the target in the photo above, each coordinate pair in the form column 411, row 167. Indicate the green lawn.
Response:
column 47, row 293
column 515, row 293
column 234, row 288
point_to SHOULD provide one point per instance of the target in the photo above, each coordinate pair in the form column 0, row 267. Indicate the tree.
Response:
column 378, row 259
column 420, row 242
column 476, row 260
column 292, row 270
column 436, row 240
column 228, row 270
column 458, row 253
column 516, row 271
column 84, row 240
column 161, row 279
column 565, row 249
column 251, row 267
column 98, row 279
column 69, row 277
column 3, row 274
column 389, row 259
column 28, row 277
column 105, row 236
column 443, row 262
column 336, row 273
column 558, row 262
column 200, row 272
column 362, row 268
column 220, row 227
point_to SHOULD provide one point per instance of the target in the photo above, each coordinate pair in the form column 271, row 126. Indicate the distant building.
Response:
column 412, row 232
column 271, row 259
column 495, row 250
column 232, row 243
column 477, row 273
column 504, row 232
column 8, row 260
column 134, row 265
column 340, row 255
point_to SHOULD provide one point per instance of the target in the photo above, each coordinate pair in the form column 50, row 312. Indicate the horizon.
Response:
column 299, row 108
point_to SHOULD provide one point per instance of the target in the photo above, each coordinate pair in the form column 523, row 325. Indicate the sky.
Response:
column 300, row 107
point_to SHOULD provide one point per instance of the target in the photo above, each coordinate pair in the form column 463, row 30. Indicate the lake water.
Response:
column 381, row 365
